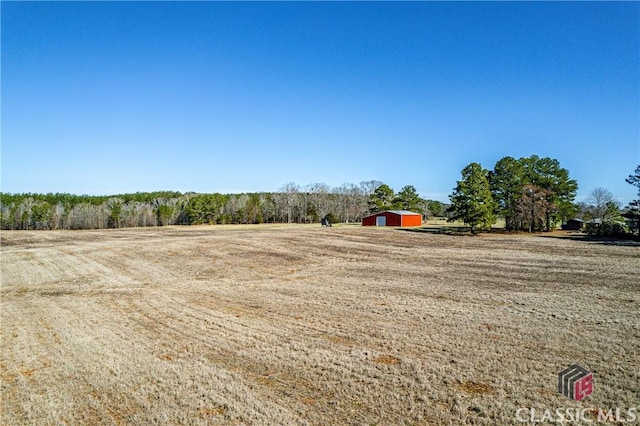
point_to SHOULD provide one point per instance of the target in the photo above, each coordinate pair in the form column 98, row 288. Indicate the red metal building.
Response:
column 393, row 218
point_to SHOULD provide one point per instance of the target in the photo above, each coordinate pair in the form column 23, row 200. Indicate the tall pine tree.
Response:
column 506, row 181
column 471, row 200
column 408, row 199
column 381, row 199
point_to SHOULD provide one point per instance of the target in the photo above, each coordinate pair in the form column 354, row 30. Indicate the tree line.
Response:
column 530, row 193
column 291, row 204
column 535, row 194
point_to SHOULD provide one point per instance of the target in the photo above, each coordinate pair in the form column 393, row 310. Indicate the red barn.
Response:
column 393, row 218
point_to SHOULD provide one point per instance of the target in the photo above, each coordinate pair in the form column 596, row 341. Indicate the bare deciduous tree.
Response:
column 598, row 199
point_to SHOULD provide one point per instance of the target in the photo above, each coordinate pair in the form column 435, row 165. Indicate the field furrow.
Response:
column 306, row 325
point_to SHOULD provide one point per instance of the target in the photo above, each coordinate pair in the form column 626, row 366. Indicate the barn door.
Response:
column 381, row 221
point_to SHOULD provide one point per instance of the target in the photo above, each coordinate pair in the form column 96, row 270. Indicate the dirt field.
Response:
column 292, row 325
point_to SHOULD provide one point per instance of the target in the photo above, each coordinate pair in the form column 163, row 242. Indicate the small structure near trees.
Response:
column 573, row 225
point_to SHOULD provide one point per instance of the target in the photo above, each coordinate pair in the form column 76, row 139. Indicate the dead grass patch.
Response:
column 28, row 373
column 387, row 360
column 544, row 392
column 212, row 412
column 473, row 388
column 341, row 340
column 487, row 327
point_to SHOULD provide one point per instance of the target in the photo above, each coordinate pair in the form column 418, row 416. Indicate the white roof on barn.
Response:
column 398, row 212
column 401, row 212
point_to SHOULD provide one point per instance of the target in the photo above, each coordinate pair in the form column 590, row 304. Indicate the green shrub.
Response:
column 607, row 229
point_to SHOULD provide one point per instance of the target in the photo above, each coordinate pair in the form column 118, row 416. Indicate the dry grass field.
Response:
column 285, row 325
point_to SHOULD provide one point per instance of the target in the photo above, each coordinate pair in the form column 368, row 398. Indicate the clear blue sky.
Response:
column 113, row 97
